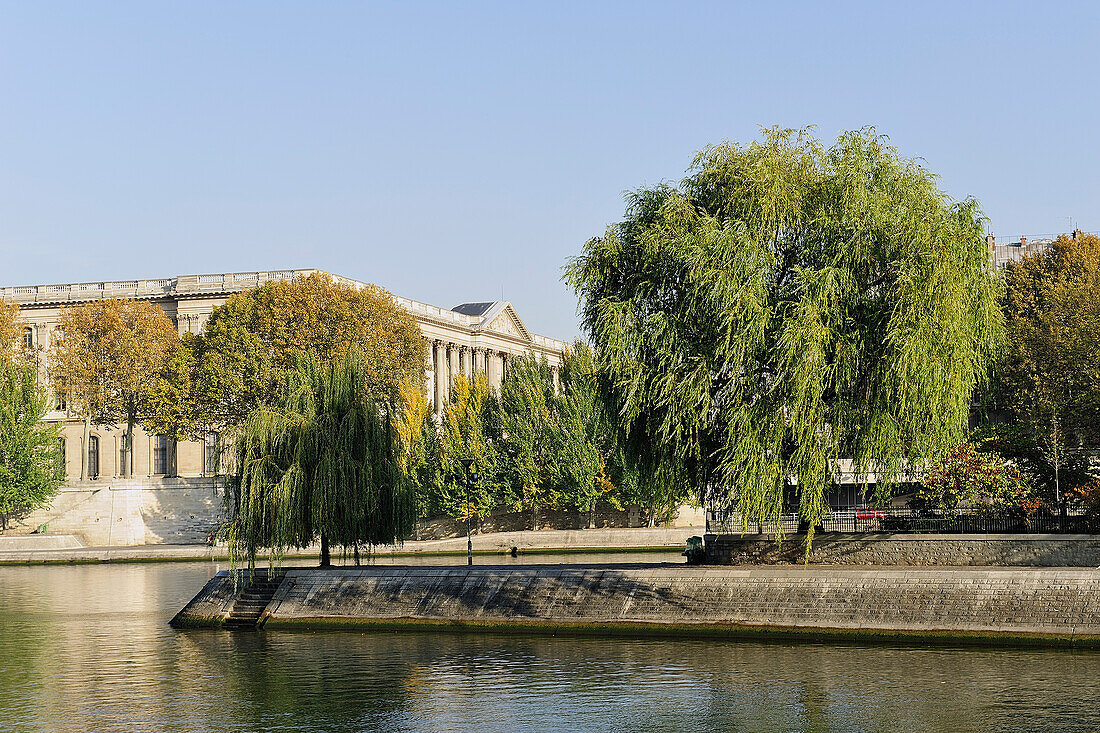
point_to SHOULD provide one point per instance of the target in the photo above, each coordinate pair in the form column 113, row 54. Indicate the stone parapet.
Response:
column 1037, row 550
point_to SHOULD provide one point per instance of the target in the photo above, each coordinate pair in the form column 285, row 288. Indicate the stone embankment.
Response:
column 1034, row 550
column 131, row 512
column 1050, row 606
column 35, row 549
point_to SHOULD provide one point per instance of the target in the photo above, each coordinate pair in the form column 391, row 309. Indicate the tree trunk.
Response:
column 128, row 464
column 535, row 517
column 326, row 560
column 84, row 448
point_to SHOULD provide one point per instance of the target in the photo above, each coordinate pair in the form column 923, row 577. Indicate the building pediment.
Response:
column 507, row 322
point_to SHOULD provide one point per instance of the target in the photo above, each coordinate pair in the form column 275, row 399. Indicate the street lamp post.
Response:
column 466, row 463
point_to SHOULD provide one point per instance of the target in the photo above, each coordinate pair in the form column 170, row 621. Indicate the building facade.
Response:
column 470, row 338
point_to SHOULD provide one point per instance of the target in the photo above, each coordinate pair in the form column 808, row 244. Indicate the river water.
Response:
column 88, row 648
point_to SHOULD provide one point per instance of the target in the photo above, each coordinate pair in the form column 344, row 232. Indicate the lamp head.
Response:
column 466, row 462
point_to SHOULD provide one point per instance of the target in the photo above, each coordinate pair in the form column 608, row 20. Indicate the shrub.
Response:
column 966, row 477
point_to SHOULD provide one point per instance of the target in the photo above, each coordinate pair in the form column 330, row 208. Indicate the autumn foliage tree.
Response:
column 103, row 358
column 10, row 328
column 251, row 343
column 1050, row 376
column 968, row 477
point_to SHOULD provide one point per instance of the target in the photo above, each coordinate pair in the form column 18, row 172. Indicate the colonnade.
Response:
column 450, row 359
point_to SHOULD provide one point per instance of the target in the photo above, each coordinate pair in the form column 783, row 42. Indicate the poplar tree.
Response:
column 589, row 464
column 468, row 430
column 527, row 417
column 31, row 463
column 788, row 305
column 321, row 463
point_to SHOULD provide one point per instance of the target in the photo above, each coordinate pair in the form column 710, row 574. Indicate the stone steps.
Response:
column 249, row 606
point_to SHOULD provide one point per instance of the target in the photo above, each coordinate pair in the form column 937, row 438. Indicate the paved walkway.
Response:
column 32, row 549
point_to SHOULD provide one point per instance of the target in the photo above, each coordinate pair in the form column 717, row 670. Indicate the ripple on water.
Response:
column 88, row 648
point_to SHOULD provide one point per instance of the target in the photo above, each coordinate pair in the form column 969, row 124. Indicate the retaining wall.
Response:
column 179, row 511
column 129, row 512
column 1041, row 606
column 1046, row 550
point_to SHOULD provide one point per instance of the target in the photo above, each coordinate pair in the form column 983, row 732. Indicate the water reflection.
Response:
column 88, row 648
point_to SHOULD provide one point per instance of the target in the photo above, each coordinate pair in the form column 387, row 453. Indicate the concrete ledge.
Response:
column 1028, row 550
column 1048, row 607
column 37, row 542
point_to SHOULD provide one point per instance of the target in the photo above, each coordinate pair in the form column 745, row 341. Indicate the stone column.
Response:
column 439, row 375
column 496, row 369
column 452, row 368
column 554, row 375
column 464, row 360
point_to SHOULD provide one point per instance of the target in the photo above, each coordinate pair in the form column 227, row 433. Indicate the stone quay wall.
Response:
column 1036, row 550
column 1050, row 606
column 122, row 512
column 131, row 512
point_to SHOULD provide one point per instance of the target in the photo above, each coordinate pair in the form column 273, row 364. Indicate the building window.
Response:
column 93, row 457
column 28, row 337
column 210, row 454
column 122, row 464
column 61, row 405
column 160, row 454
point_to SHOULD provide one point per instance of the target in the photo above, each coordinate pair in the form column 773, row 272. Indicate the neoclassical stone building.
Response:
column 469, row 338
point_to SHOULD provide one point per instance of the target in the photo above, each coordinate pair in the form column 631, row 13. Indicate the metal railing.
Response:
column 894, row 520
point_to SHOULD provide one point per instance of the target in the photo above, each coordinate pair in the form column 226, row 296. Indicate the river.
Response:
column 88, row 648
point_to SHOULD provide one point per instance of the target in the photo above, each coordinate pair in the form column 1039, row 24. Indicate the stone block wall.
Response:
column 1048, row 550
column 127, row 512
column 1058, row 604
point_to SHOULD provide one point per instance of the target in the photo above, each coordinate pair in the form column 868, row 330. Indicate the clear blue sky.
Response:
column 452, row 152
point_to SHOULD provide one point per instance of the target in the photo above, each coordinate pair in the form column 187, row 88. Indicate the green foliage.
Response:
column 1015, row 442
column 536, row 446
column 169, row 394
column 967, row 477
column 31, row 463
column 466, row 432
column 1050, row 377
column 589, row 464
column 322, row 462
column 788, row 305
column 526, row 420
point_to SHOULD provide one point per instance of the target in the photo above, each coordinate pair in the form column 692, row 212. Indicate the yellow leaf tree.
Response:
column 253, row 341
column 104, row 357
column 11, row 328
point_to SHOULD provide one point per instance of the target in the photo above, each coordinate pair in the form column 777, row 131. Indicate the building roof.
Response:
column 474, row 309
column 498, row 316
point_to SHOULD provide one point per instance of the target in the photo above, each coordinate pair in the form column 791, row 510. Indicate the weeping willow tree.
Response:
column 322, row 462
column 789, row 305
